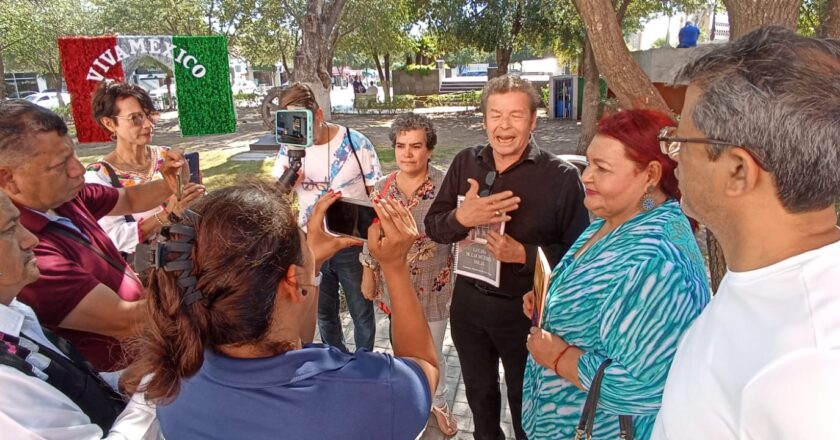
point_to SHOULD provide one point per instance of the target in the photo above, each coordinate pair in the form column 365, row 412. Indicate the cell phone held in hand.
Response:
column 350, row 217
column 294, row 127
column 194, row 169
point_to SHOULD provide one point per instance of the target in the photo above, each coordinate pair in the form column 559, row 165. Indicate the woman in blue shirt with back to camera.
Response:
column 232, row 315
column 626, row 290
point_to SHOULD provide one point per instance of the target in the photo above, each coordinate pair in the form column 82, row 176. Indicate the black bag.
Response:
column 587, row 417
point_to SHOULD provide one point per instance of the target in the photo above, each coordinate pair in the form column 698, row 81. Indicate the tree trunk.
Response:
column 379, row 70
column 387, row 83
column 748, row 15
column 830, row 20
column 626, row 79
column 285, row 63
column 2, row 77
column 502, row 60
column 591, row 98
column 313, row 60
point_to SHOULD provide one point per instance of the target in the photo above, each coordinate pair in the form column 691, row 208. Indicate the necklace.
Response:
column 145, row 171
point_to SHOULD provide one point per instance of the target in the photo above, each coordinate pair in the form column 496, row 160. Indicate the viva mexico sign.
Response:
column 200, row 72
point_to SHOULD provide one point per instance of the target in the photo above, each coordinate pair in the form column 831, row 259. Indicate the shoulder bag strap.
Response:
column 78, row 381
column 353, row 149
column 388, row 182
column 116, row 265
column 115, row 182
column 587, row 417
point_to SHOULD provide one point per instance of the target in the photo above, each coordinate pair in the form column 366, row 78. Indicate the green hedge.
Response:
column 205, row 104
column 467, row 99
column 420, row 69
column 396, row 103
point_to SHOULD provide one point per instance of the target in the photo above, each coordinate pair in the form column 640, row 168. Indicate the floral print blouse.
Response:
column 429, row 263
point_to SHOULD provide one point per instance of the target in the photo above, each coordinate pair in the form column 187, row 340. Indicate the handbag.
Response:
column 587, row 416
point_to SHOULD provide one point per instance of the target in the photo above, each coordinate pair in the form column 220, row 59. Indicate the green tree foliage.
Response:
column 496, row 26
column 176, row 17
column 378, row 30
column 29, row 32
column 274, row 35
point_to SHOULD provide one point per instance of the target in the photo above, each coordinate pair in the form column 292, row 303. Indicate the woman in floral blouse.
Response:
column 128, row 113
column 416, row 184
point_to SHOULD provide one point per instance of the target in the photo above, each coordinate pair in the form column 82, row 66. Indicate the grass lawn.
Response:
column 219, row 170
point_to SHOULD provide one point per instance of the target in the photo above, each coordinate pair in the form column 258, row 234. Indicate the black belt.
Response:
column 489, row 290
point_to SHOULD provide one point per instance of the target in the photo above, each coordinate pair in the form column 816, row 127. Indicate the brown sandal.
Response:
column 449, row 427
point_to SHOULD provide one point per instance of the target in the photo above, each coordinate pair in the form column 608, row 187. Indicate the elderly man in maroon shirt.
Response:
column 86, row 291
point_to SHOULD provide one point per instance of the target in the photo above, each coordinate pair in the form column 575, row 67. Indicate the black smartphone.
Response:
column 195, row 170
column 350, row 217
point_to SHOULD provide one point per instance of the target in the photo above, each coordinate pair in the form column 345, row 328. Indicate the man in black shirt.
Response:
column 540, row 197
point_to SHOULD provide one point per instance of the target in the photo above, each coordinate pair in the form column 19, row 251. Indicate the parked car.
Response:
column 48, row 99
column 20, row 95
column 245, row 86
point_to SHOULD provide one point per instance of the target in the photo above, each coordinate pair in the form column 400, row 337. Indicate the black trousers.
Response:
column 485, row 329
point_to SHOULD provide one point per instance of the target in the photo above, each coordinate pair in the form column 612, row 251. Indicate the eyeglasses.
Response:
column 138, row 119
column 670, row 145
column 309, row 185
column 489, row 179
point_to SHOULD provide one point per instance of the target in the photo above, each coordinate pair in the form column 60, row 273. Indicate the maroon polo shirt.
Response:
column 70, row 270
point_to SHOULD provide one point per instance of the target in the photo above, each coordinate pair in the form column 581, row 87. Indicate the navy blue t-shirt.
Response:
column 318, row 392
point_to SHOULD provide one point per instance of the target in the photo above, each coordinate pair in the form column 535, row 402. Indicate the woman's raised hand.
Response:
column 392, row 233
column 322, row 244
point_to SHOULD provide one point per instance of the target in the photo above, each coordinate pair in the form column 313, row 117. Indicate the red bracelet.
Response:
column 557, row 359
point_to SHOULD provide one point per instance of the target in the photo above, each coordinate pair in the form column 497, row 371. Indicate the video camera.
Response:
column 293, row 128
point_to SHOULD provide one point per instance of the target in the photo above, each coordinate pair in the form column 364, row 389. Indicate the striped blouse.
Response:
column 628, row 298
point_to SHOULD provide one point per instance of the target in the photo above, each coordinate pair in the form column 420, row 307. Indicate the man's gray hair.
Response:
column 507, row 84
column 412, row 121
column 20, row 120
column 776, row 94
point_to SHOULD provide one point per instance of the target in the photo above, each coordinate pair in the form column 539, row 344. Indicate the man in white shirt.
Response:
column 342, row 160
column 758, row 148
column 31, row 406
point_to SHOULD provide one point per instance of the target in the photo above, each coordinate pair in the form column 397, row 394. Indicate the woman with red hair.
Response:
column 624, row 292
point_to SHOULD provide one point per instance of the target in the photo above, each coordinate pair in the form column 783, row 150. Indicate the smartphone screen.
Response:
column 195, row 170
column 294, row 127
column 350, row 217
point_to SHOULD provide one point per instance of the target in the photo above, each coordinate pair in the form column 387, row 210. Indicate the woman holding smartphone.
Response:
column 129, row 114
column 415, row 185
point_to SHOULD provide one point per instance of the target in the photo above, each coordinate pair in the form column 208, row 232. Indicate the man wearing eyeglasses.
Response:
column 758, row 152
column 540, row 197
column 86, row 291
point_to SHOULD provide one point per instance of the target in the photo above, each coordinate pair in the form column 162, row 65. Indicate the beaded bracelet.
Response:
column 557, row 359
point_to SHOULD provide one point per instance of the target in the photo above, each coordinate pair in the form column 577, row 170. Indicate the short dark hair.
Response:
column 299, row 95
column 776, row 94
column 108, row 92
column 508, row 84
column 412, row 121
column 21, row 120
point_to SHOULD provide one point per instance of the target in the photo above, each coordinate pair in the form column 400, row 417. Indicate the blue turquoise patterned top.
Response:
column 628, row 298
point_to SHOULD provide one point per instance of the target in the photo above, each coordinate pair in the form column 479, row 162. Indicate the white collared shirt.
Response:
column 30, row 408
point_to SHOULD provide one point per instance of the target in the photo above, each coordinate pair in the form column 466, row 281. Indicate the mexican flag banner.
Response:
column 199, row 64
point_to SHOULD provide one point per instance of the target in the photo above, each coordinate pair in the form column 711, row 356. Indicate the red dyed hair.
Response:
column 638, row 130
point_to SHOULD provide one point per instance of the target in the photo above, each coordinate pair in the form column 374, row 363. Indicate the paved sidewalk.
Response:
column 456, row 395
